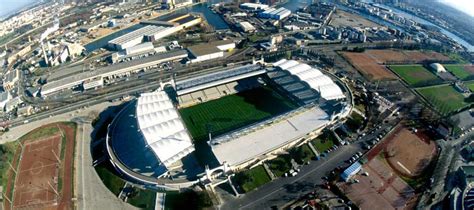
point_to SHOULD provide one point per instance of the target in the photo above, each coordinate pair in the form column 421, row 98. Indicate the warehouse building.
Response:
column 275, row 14
column 203, row 52
column 246, row 27
column 253, row 6
column 110, row 72
column 136, row 37
column 154, row 30
column 211, row 50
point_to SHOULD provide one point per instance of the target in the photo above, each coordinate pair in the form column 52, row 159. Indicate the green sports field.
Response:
column 416, row 75
column 470, row 86
column 234, row 111
column 444, row 98
column 460, row 71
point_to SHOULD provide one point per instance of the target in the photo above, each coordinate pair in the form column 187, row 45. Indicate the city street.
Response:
column 286, row 189
column 91, row 191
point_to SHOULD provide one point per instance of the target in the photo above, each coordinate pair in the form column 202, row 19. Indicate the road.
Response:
column 283, row 190
column 448, row 162
column 91, row 191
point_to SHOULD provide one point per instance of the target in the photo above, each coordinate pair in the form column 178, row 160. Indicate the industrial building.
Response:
column 154, row 30
column 246, row 27
column 10, row 78
column 275, row 14
column 111, row 71
column 253, row 6
column 208, row 51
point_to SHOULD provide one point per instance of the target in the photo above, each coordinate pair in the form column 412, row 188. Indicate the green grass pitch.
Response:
column 459, row 71
column 470, row 86
column 444, row 98
column 416, row 75
column 234, row 111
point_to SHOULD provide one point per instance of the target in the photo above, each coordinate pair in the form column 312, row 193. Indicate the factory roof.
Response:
column 137, row 34
column 203, row 49
column 110, row 70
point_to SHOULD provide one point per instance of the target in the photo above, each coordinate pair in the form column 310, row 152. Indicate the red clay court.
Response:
column 409, row 153
column 37, row 178
column 42, row 181
column 381, row 189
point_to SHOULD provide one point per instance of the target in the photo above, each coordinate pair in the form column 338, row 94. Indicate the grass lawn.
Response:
column 280, row 165
column 188, row 200
column 416, row 75
column 323, row 142
column 354, row 122
column 234, row 111
column 110, row 180
column 459, row 71
column 456, row 57
column 7, row 151
column 253, row 178
column 302, row 154
column 470, row 86
column 143, row 199
column 445, row 98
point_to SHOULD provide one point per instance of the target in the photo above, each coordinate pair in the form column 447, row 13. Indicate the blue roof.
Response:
column 351, row 170
column 129, row 144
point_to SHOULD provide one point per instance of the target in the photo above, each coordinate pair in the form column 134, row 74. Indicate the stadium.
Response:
column 195, row 130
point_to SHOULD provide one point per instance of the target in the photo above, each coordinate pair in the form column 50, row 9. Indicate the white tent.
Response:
column 162, row 127
column 313, row 77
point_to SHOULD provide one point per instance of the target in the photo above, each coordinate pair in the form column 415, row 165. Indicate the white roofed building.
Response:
column 315, row 79
column 148, row 138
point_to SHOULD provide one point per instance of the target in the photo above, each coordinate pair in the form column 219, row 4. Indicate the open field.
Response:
column 416, row 75
column 463, row 72
column 44, row 171
column 234, row 111
column 409, row 153
column 470, row 86
column 444, row 98
column 323, row 142
column 368, row 66
column 253, row 178
column 382, row 189
column 405, row 56
column 345, row 19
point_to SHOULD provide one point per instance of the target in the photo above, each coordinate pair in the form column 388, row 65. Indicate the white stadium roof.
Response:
column 313, row 77
column 162, row 127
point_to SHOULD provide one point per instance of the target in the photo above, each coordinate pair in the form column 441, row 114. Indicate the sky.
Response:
column 467, row 6
column 10, row 6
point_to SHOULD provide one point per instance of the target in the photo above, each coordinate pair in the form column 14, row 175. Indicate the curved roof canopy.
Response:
column 313, row 77
column 162, row 127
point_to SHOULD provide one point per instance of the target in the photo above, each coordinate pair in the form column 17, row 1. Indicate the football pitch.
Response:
column 416, row 75
column 464, row 72
column 233, row 111
column 444, row 98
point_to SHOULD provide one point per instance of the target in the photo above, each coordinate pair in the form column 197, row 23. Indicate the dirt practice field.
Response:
column 409, row 153
column 368, row 66
column 44, row 173
column 382, row 189
column 38, row 173
column 371, row 62
column 405, row 56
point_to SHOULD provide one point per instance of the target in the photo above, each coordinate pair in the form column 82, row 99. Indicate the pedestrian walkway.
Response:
column 313, row 149
column 269, row 172
column 160, row 201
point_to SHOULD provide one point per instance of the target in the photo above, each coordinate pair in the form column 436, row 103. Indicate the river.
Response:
column 293, row 5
